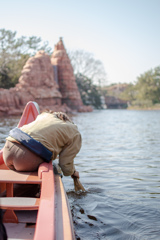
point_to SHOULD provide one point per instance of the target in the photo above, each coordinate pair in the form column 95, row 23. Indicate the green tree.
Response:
column 88, row 91
column 129, row 94
column 148, row 86
column 146, row 91
column 14, row 52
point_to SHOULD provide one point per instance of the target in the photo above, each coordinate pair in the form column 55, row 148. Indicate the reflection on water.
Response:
column 6, row 124
column 119, row 167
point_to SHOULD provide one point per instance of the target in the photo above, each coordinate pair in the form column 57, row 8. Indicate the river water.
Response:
column 119, row 165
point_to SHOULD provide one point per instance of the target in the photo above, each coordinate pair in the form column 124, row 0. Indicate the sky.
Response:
column 123, row 34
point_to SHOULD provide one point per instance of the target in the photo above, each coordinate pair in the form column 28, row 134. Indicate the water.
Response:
column 119, row 165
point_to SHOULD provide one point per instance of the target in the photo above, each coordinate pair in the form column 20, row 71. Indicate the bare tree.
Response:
column 85, row 64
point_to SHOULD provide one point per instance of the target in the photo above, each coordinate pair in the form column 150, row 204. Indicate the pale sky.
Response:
column 123, row 34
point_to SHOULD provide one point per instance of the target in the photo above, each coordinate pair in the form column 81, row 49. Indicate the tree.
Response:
column 14, row 52
column 90, row 75
column 84, row 64
column 148, row 86
column 129, row 94
column 88, row 92
column 146, row 91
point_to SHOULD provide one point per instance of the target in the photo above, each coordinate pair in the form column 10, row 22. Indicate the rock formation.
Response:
column 49, row 82
column 35, row 84
column 115, row 103
column 66, row 79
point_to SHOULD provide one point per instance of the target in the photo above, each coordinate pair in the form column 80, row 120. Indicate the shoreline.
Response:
column 144, row 108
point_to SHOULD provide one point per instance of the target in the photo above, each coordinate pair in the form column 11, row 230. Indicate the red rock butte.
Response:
column 48, row 81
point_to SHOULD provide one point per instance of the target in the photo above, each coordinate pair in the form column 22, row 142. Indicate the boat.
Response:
column 47, row 216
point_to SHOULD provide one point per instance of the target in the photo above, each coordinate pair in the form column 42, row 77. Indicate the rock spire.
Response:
column 66, row 78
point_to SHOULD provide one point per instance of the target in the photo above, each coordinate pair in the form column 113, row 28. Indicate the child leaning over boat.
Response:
column 50, row 135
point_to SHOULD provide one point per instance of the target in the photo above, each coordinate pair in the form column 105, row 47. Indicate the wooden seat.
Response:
column 19, row 203
column 11, row 203
column 9, row 176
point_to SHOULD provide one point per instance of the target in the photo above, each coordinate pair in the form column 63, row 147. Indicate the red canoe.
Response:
column 45, row 217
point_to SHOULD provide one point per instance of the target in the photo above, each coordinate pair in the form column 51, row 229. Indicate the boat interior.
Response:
column 45, row 215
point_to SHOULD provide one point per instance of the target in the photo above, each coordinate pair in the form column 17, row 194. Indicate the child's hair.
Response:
column 63, row 116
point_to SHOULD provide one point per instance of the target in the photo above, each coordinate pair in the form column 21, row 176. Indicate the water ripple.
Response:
column 119, row 167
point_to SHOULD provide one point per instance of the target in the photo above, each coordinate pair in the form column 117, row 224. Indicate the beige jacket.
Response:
column 61, row 138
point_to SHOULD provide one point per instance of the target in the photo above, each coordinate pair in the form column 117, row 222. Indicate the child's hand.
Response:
column 75, row 174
